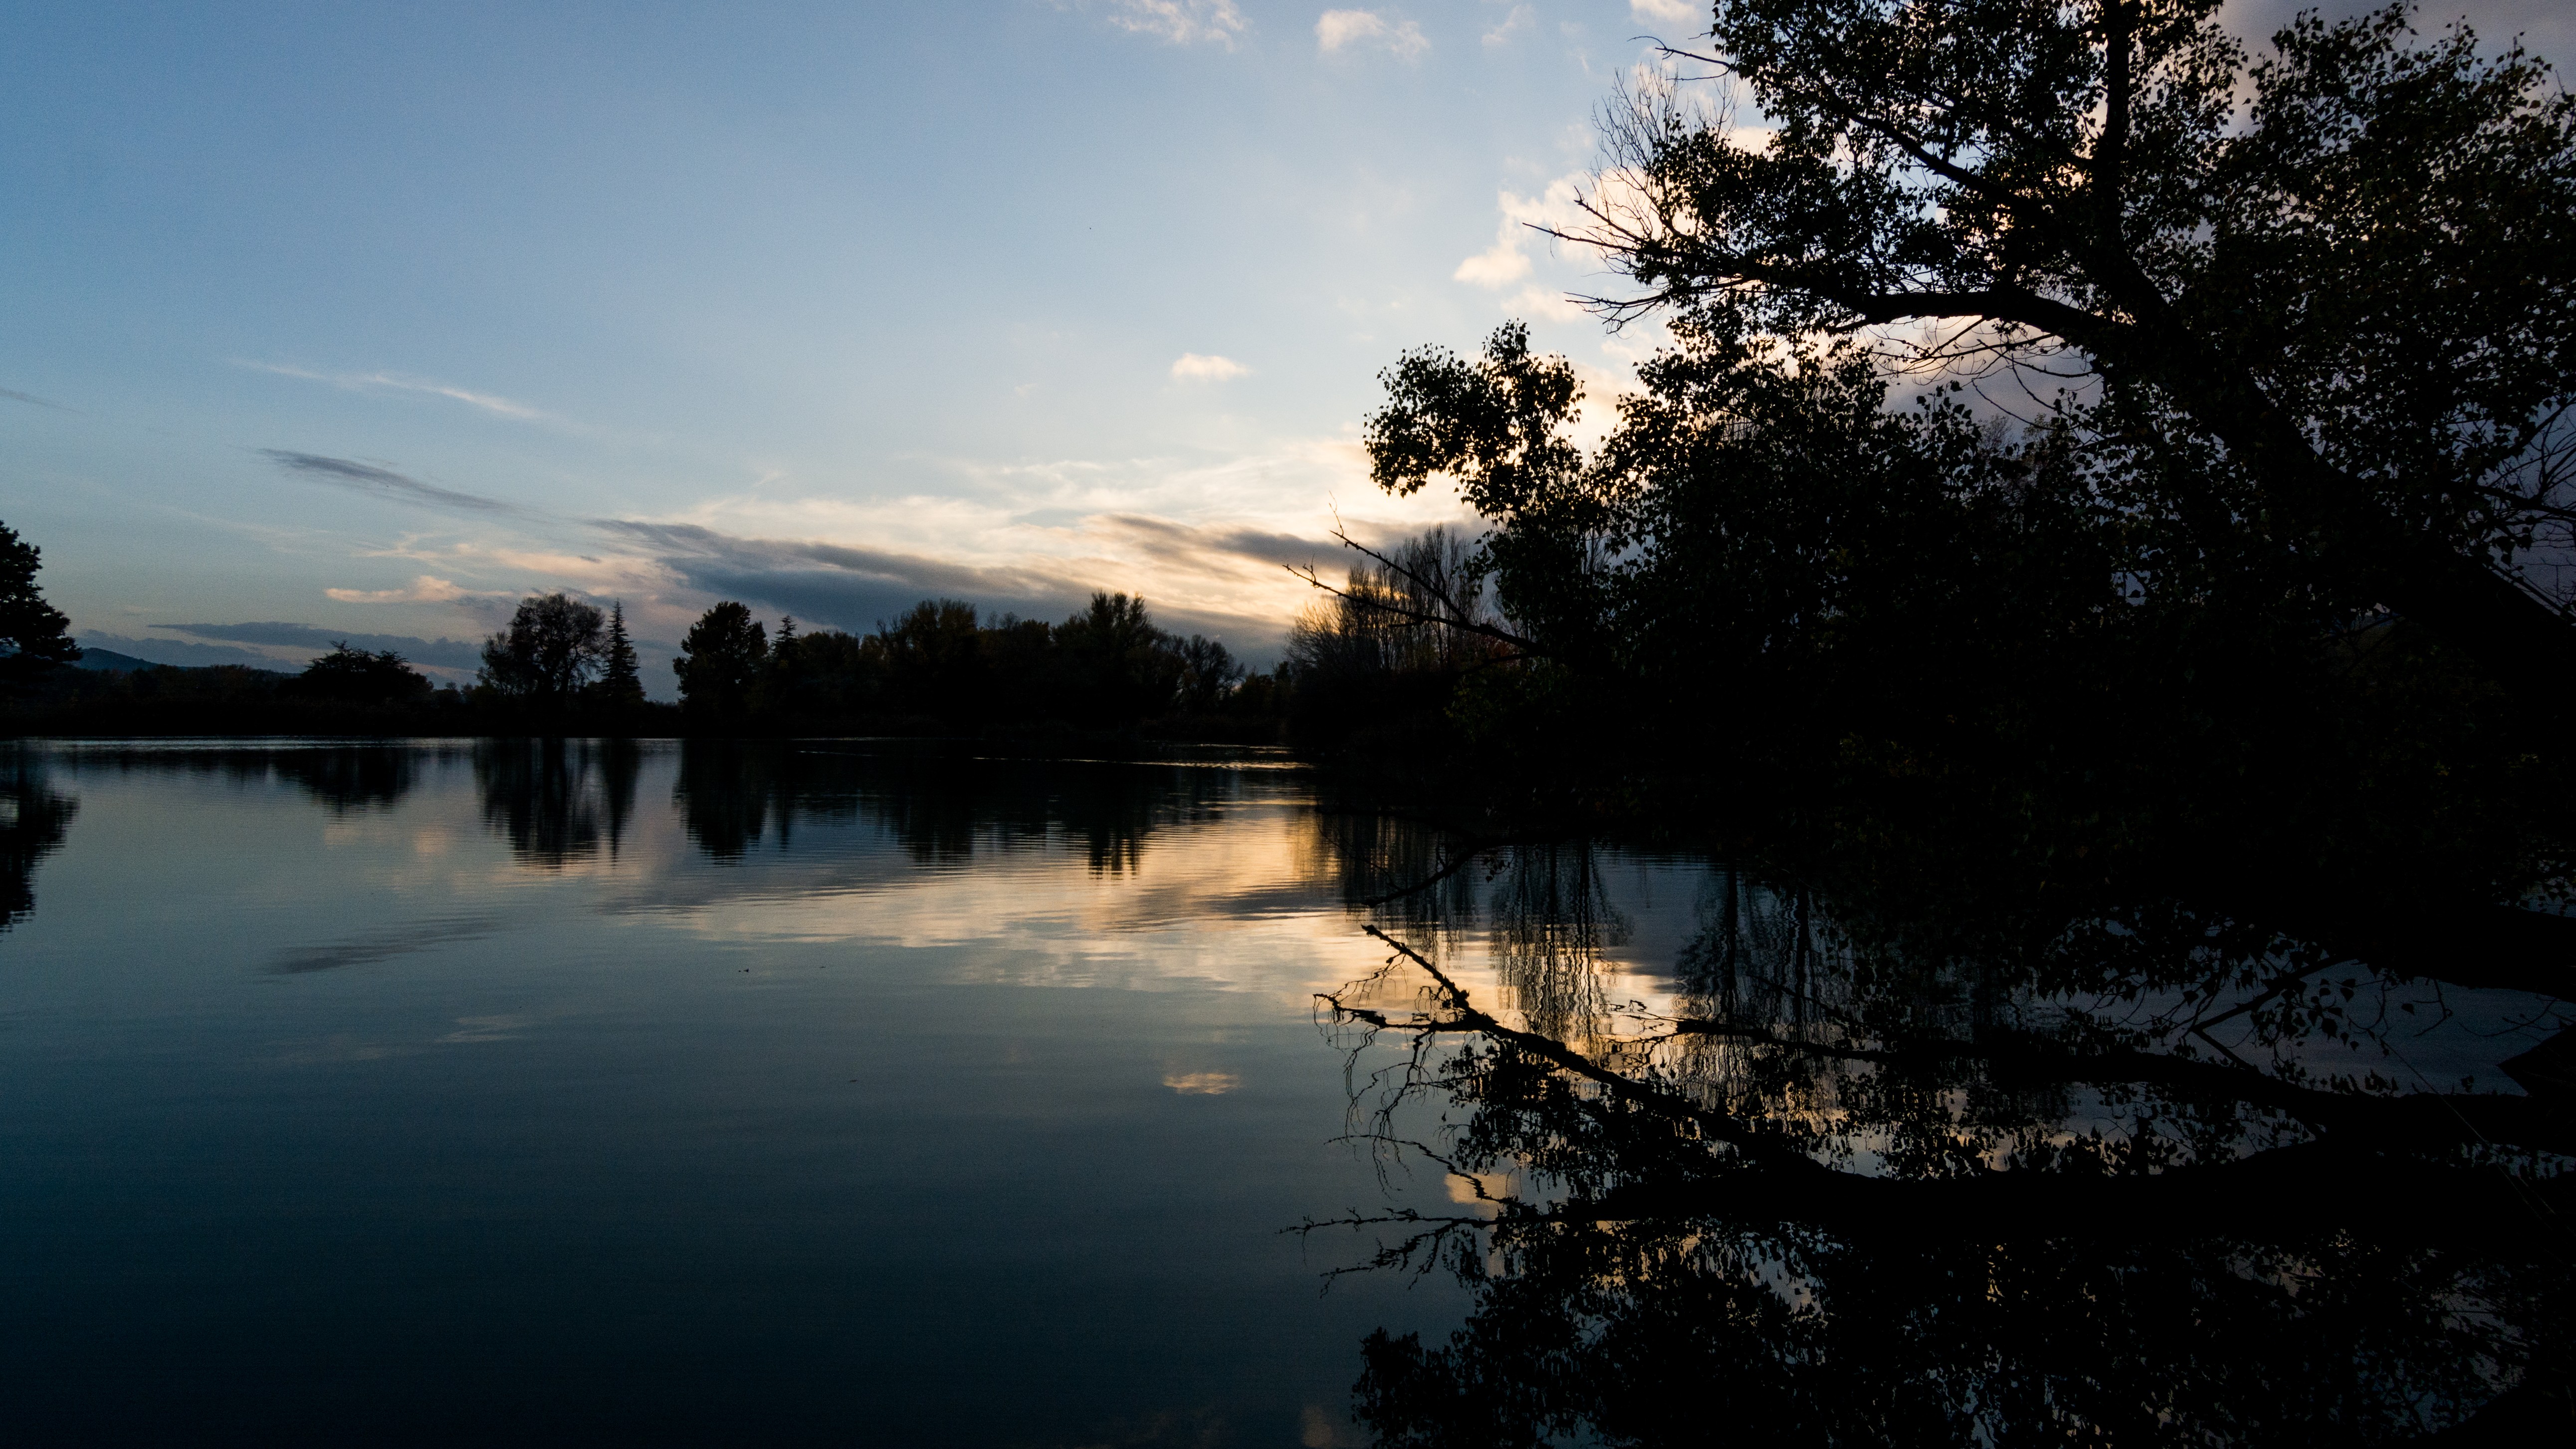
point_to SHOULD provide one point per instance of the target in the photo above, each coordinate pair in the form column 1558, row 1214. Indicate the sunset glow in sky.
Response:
column 359, row 320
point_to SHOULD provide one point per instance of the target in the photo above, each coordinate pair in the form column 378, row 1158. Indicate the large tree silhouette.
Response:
column 2334, row 327
column 552, row 647
column 34, row 631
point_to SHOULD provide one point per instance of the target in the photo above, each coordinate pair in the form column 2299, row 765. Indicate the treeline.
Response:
column 1379, row 662
column 564, row 666
column 942, row 666
column 1371, row 668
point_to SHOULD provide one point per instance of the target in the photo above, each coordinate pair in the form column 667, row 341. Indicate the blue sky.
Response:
column 369, row 320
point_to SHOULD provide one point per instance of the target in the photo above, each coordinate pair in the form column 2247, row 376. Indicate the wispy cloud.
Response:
column 386, row 483
column 426, row 589
column 1504, row 263
column 832, row 583
column 1182, row 22
column 1342, row 29
column 854, row 588
column 1670, row 12
column 399, row 382
column 13, row 395
column 1198, row 367
column 1521, row 18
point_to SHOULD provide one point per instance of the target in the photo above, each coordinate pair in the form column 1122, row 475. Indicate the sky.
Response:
column 365, row 321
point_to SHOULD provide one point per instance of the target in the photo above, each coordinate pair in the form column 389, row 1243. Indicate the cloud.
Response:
column 1538, row 301
column 1336, row 29
column 398, row 382
column 444, row 653
column 13, row 395
column 1182, row 22
column 426, row 589
column 1670, row 12
column 854, row 588
column 1197, row 367
column 1556, row 209
column 385, row 482
column 827, row 583
column 1513, row 24
column 1179, row 543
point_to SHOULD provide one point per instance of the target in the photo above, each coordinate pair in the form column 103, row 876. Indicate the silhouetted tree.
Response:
column 720, row 660
column 1386, row 652
column 1209, row 672
column 934, row 659
column 1120, row 665
column 2078, row 187
column 34, row 632
column 940, row 661
column 621, row 682
column 552, row 647
column 822, row 673
column 361, row 676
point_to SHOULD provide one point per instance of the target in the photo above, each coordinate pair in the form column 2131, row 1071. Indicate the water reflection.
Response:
column 335, row 1077
column 557, row 800
column 1728, row 1151
column 1826, row 1189
column 348, row 780
column 34, row 818
column 944, row 807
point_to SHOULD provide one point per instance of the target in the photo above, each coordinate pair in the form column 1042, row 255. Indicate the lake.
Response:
column 881, row 1092
column 838, row 1094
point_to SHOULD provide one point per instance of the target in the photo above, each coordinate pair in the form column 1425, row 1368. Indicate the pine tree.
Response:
column 721, row 660
column 623, row 683
column 32, row 630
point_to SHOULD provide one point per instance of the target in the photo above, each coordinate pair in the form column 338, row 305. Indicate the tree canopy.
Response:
column 33, row 630
column 720, row 660
column 2331, row 328
column 621, row 680
column 362, row 676
column 551, row 649
column 2275, row 636
column 942, row 663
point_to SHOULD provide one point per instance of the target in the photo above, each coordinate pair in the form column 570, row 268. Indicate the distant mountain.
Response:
column 93, row 657
column 176, row 653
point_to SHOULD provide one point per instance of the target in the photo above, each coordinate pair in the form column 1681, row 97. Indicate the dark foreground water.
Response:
column 462, row 1091
column 524, row 1092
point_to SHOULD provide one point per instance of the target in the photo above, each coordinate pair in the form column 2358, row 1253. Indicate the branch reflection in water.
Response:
column 2189, row 1186
column 1810, row 1163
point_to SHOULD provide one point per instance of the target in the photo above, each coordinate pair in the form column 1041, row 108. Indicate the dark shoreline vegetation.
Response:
column 2107, row 794
column 1363, row 679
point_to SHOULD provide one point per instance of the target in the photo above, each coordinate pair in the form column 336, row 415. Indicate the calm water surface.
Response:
column 460, row 1091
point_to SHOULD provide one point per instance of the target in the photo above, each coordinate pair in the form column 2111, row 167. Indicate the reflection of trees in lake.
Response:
column 556, row 800
column 1679, row 1330
column 733, row 795
column 1551, row 919
column 725, row 794
column 34, row 819
column 1843, row 1192
column 353, row 779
